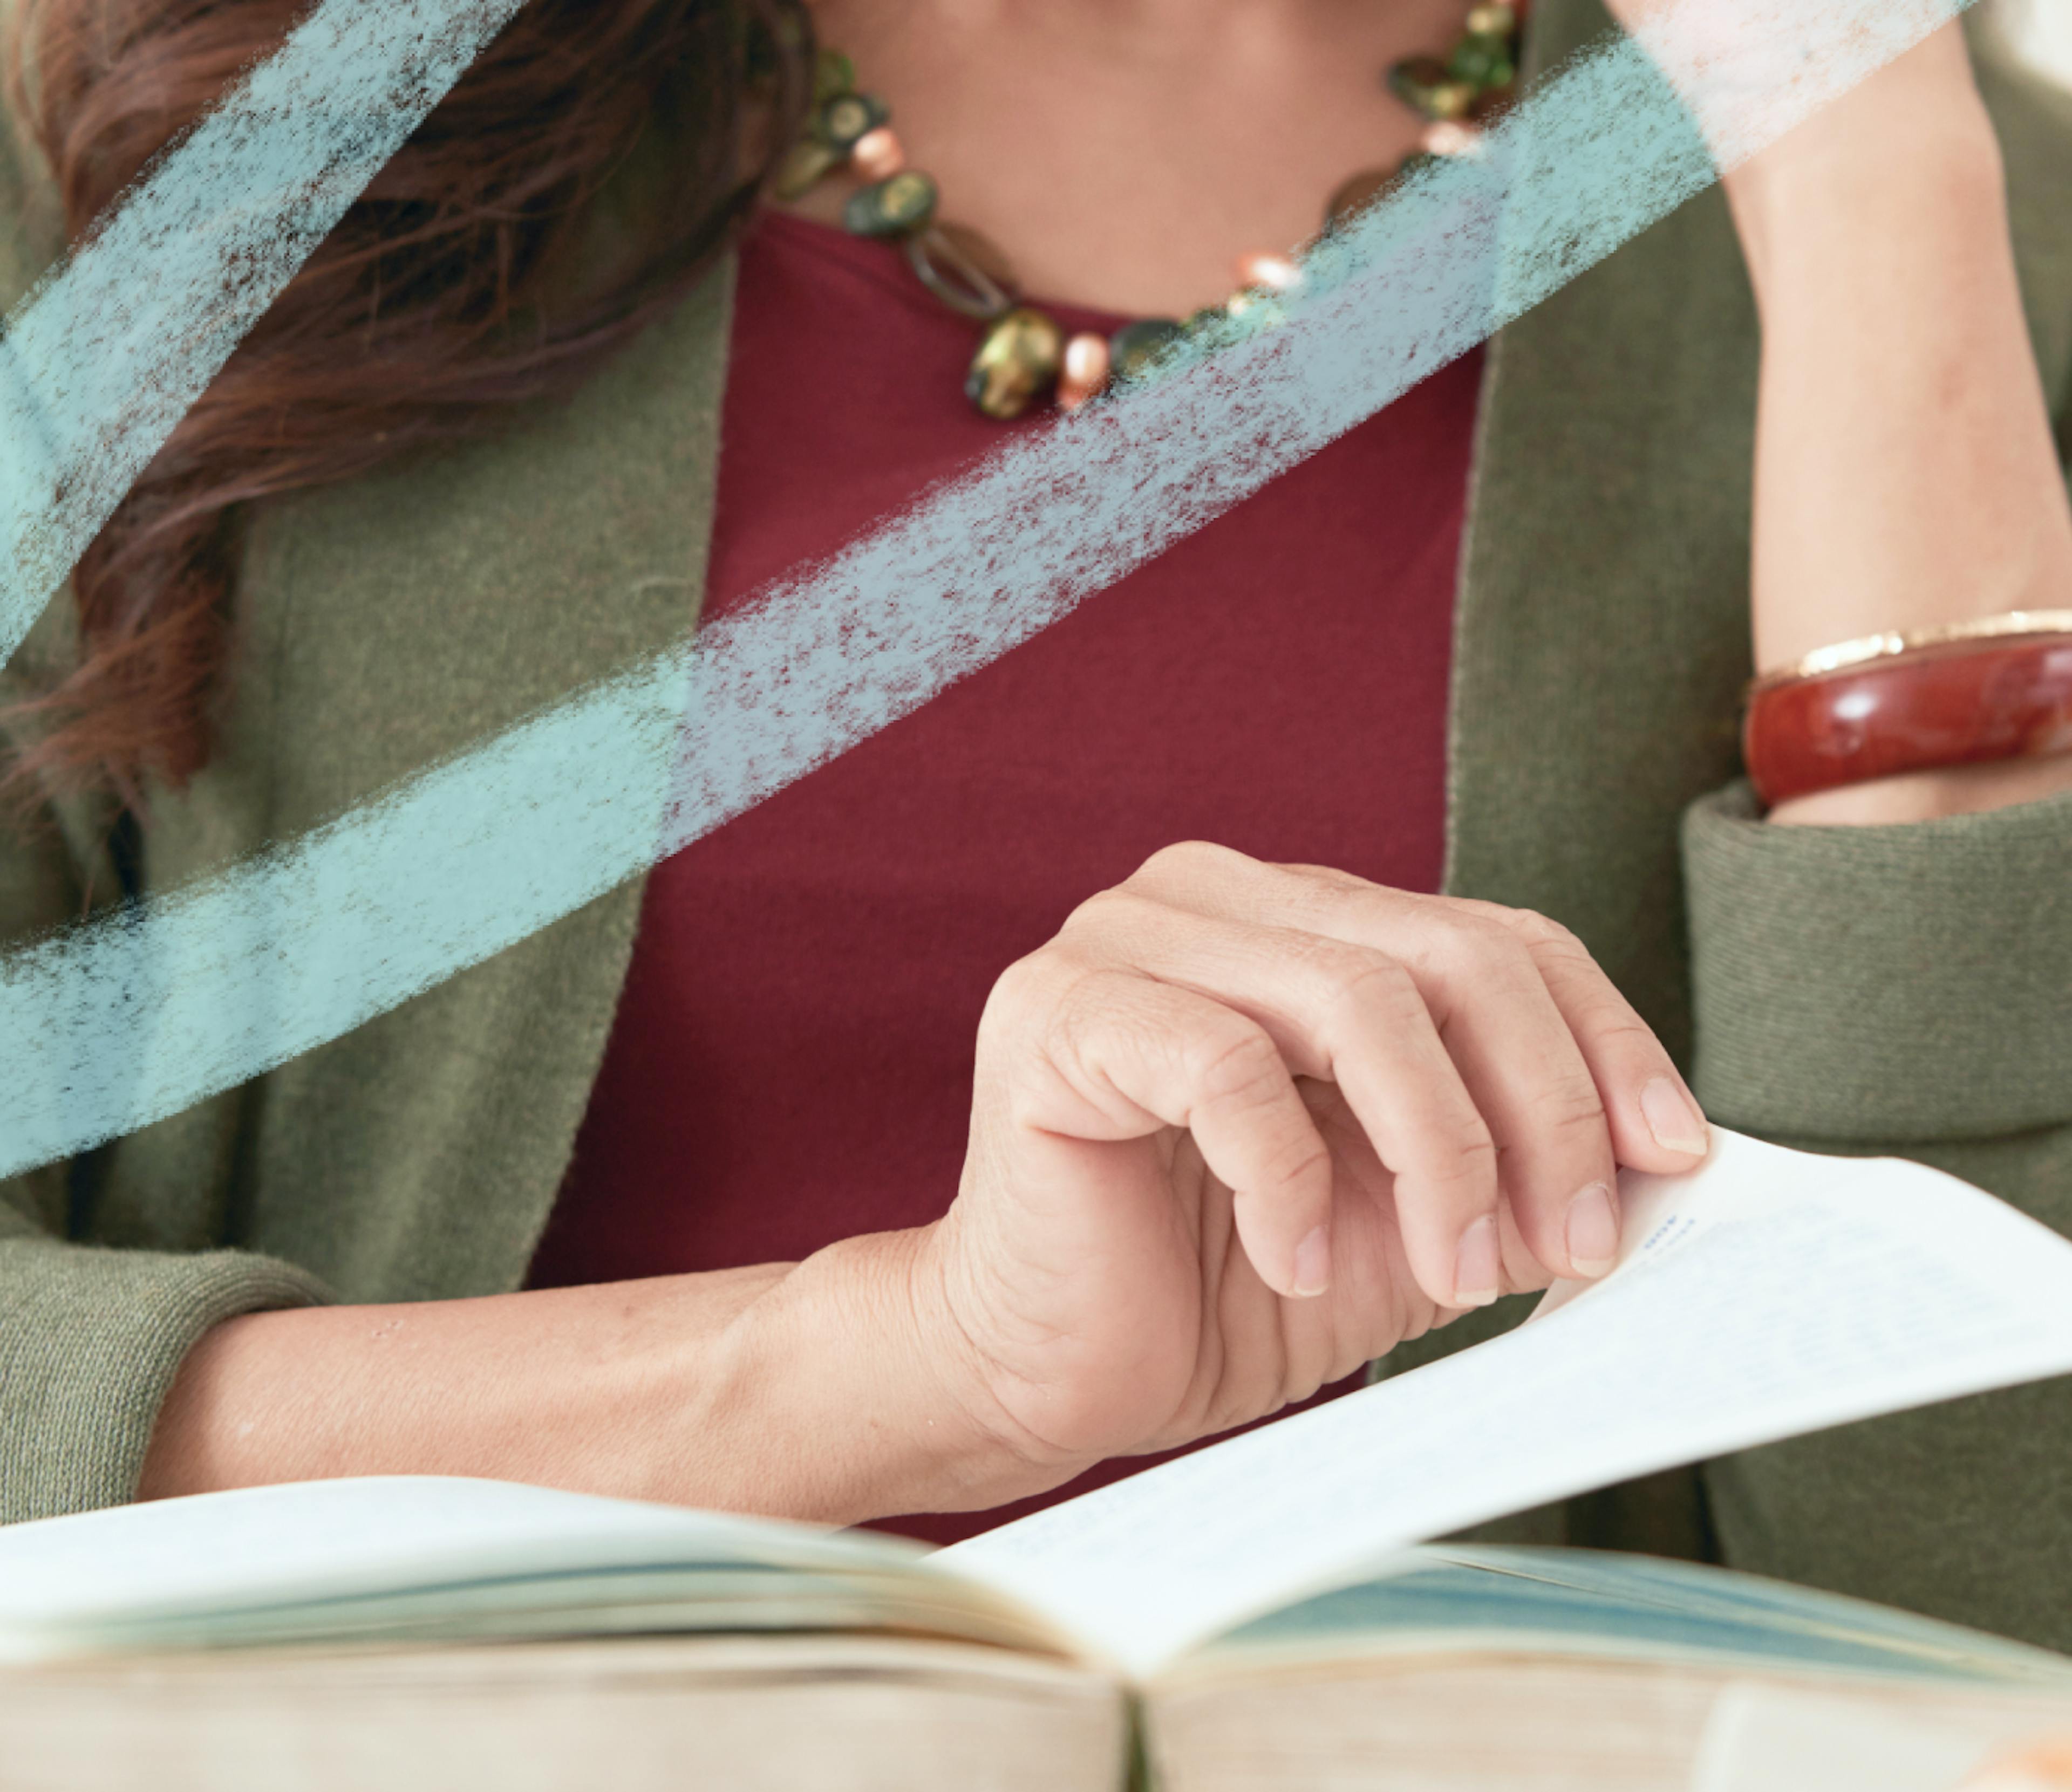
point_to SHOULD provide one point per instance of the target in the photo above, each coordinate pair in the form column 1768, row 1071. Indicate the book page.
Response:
column 1579, row 1604
column 419, row 1556
column 355, row 1536
column 1765, row 1739
column 1767, row 1294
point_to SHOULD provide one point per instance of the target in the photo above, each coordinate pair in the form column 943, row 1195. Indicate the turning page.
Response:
column 1767, row 1294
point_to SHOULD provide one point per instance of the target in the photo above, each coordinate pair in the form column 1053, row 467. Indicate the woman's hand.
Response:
column 1241, row 1127
column 1237, row 1130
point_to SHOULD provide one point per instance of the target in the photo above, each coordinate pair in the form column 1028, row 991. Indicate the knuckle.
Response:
column 1472, row 951
column 1572, row 1106
column 1186, row 862
column 1032, row 995
column 1235, row 1065
column 1107, row 911
column 1012, row 996
column 1464, row 1158
column 1534, row 930
column 1087, row 1009
column 1302, row 1158
column 1367, row 989
column 1610, row 1022
column 1543, row 930
column 1552, row 944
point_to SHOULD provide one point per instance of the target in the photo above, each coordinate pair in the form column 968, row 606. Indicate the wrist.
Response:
column 1912, row 147
column 843, row 1394
column 1930, row 796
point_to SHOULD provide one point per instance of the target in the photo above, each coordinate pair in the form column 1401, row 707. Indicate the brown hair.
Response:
column 469, row 277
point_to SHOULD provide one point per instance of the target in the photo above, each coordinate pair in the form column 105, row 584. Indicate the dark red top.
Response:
column 791, row 1061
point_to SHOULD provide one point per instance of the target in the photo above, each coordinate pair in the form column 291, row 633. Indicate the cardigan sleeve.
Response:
column 90, row 1339
column 1865, row 986
column 91, row 1332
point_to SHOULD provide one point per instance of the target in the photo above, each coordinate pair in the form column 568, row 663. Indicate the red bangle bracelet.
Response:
column 1961, row 703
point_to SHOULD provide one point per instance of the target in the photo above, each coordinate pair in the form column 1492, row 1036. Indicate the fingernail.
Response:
column 1592, row 1230
column 1478, row 1265
column 1677, row 1126
column 1313, row 1264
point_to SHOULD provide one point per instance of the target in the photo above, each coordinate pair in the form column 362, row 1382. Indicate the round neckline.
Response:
column 883, row 264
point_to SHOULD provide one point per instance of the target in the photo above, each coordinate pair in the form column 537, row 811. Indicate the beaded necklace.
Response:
column 1024, row 352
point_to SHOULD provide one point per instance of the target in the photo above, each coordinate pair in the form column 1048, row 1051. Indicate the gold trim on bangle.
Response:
column 1846, row 653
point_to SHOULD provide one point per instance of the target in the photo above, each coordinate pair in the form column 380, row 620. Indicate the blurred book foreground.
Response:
column 1253, row 1614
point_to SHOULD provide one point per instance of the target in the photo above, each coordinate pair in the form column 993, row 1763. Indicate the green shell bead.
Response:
column 805, row 164
column 1482, row 62
column 1426, row 85
column 845, row 118
column 1136, row 350
column 833, row 73
column 894, row 207
column 963, row 270
column 1017, row 362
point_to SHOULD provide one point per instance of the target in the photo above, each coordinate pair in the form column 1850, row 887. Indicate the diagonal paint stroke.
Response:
column 118, row 1022
column 109, row 349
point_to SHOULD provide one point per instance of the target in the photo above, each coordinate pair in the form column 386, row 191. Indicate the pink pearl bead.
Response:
column 1085, row 371
column 1086, row 360
column 1448, row 137
column 1276, row 272
column 876, row 155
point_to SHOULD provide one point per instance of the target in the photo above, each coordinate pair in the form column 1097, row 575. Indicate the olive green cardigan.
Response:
column 1854, row 989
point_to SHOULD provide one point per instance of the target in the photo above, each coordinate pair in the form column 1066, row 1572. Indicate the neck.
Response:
column 1124, row 153
column 1122, row 29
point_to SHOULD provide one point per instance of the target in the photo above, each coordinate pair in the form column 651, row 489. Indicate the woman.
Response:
column 812, row 1253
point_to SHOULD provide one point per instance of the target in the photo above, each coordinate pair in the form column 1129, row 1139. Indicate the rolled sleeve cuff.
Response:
column 90, row 1344
column 1880, row 985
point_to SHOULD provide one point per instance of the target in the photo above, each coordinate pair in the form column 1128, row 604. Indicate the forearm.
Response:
column 1906, row 470
column 794, row 1390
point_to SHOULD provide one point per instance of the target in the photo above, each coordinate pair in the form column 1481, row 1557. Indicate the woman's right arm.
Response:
column 1237, row 1130
column 801, row 1390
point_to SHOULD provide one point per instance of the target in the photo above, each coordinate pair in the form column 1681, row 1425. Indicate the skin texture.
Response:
column 1239, row 1127
column 1905, row 472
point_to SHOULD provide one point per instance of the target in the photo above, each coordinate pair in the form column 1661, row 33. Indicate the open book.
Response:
column 1257, row 1608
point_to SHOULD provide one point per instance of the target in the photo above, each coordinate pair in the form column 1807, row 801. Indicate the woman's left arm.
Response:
column 1899, row 974
column 1906, row 470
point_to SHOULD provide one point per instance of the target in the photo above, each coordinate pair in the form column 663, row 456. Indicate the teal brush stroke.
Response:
column 108, row 352
column 116, row 1023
